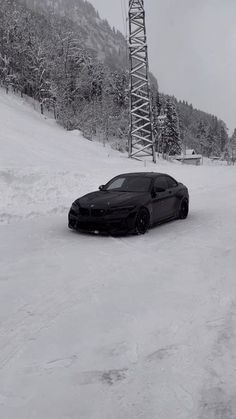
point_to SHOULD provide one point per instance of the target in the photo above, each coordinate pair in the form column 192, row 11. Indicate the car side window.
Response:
column 160, row 182
column 137, row 184
column 171, row 182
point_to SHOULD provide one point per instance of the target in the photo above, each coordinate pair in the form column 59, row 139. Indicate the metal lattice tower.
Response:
column 141, row 140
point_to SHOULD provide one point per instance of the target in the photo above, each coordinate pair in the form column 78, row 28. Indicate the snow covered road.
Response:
column 136, row 327
column 113, row 328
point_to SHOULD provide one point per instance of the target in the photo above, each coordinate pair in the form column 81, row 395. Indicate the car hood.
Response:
column 101, row 199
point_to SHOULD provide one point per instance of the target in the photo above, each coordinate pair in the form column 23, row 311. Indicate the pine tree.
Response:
column 230, row 149
column 223, row 136
column 233, row 139
column 201, row 136
column 212, row 146
column 155, row 112
column 171, row 143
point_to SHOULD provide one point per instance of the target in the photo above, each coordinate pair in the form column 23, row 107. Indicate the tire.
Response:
column 183, row 210
column 142, row 221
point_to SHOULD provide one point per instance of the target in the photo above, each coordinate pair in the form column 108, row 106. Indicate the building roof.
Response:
column 190, row 151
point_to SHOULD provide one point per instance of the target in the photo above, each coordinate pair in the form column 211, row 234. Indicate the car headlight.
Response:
column 74, row 205
column 75, row 208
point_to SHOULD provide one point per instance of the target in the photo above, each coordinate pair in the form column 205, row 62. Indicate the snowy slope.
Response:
column 43, row 167
column 103, row 328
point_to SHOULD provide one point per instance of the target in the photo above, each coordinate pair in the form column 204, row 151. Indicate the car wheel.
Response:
column 142, row 221
column 183, row 211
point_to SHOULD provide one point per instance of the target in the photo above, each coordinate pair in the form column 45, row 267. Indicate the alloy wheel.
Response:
column 142, row 221
column 183, row 213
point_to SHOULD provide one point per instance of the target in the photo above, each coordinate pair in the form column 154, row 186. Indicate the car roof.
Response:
column 144, row 174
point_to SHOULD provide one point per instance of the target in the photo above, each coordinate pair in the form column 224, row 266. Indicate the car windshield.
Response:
column 129, row 184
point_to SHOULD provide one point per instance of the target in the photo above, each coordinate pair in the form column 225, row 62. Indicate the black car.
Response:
column 131, row 202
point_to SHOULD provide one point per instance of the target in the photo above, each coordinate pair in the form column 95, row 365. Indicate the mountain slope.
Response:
column 108, row 44
column 44, row 167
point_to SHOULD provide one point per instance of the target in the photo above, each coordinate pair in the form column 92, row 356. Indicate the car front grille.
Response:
column 97, row 212
column 92, row 212
column 84, row 211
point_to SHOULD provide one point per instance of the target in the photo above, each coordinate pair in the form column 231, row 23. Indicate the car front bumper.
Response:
column 107, row 224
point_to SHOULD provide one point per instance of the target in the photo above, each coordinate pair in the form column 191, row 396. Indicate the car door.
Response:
column 173, row 191
column 162, row 199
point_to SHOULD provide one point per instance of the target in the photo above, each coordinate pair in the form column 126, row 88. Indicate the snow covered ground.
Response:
column 110, row 328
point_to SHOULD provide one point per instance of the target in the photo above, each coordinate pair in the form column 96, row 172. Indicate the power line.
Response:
column 125, row 25
column 126, row 30
column 123, row 15
column 126, row 19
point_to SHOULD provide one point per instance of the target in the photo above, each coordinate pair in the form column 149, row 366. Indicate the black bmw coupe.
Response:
column 131, row 202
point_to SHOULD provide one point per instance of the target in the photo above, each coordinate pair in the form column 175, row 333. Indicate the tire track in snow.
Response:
column 32, row 318
column 28, row 321
column 218, row 398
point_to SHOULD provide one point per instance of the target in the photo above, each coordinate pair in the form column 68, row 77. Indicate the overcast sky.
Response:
column 192, row 49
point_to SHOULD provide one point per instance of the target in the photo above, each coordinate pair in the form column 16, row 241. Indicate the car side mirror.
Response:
column 101, row 188
column 158, row 190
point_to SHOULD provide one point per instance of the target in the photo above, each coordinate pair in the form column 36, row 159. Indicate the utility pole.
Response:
column 141, row 139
